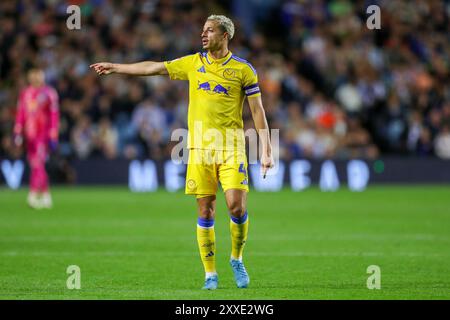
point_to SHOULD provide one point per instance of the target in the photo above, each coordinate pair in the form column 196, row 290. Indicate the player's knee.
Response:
column 237, row 210
column 206, row 212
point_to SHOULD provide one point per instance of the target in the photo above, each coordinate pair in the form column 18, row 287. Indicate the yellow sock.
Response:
column 206, row 239
column 239, row 232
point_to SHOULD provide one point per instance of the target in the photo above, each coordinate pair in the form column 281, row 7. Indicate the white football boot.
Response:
column 46, row 201
column 33, row 201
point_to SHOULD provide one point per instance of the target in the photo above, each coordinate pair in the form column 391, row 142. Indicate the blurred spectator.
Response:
column 425, row 143
column 106, row 138
column 82, row 137
column 442, row 143
column 349, row 97
column 149, row 126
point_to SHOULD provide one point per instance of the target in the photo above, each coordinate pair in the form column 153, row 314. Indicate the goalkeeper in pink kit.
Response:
column 37, row 122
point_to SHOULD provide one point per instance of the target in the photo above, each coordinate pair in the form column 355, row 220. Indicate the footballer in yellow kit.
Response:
column 217, row 88
column 219, row 82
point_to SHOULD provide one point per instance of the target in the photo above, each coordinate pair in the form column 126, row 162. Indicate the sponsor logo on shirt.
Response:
column 213, row 87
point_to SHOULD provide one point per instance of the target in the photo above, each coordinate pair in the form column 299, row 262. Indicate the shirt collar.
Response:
column 211, row 60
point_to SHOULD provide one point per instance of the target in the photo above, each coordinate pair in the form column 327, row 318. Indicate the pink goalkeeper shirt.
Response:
column 37, row 117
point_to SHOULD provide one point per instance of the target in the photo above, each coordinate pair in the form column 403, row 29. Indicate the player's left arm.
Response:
column 20, row 120
column 262, row 127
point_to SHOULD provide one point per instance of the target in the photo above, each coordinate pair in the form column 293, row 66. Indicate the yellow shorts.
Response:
column 208, row 167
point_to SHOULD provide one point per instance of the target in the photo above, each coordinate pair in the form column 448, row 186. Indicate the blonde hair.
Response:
column 225, row 23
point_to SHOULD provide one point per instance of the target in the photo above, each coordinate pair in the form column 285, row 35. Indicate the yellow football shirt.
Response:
column 217, row 88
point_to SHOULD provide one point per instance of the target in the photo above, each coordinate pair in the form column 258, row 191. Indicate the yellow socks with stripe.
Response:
column 239, row 232
column 206, row 239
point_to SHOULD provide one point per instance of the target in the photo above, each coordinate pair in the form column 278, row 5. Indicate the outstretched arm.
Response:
column 145, row 68
column 259, row 118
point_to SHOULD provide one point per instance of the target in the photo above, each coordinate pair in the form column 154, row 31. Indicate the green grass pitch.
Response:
column 305, row 245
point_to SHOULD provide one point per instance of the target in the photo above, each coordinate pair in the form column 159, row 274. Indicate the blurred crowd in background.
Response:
column 333, row 87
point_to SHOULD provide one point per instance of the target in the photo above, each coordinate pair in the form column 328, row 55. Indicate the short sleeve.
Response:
column 179, row 68
column 250, row 81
